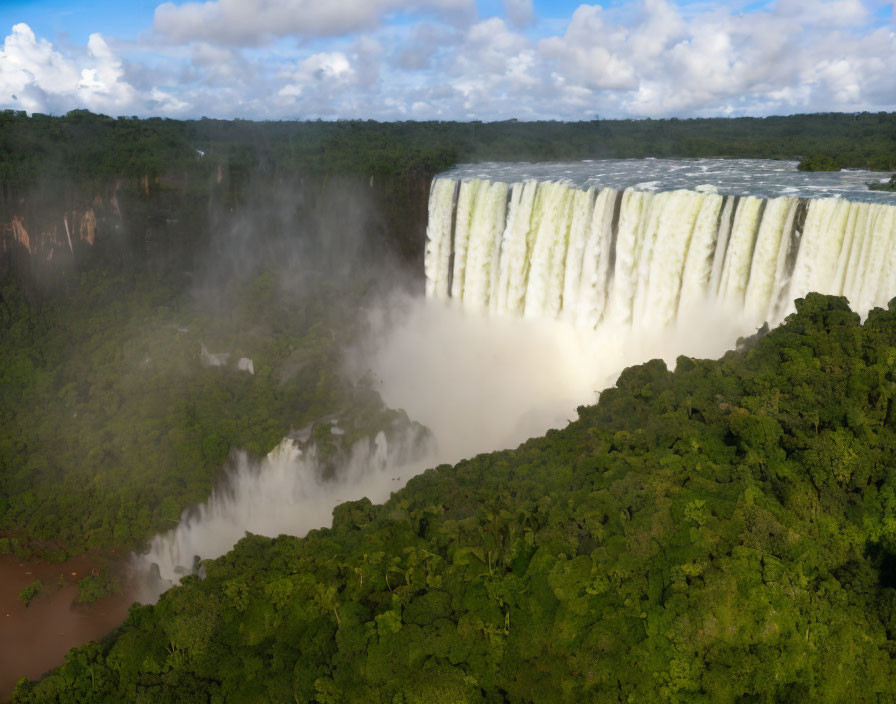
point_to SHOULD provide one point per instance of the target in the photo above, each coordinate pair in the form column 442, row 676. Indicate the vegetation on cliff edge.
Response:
column 721, row 533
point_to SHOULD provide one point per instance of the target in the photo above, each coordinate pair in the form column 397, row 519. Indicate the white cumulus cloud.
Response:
column 395, row 59
column 794, row 55
column 519, row 12
column 37, row 78
column 592, row 53
column 325, row 70
column 253, row 22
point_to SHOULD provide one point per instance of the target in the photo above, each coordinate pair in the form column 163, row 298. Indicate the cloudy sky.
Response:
column 447, row 59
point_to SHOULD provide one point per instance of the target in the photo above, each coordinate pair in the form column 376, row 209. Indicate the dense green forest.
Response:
column 721, row 533
column 110, row 426
column 111, row 420
column 169, row 175
column 81, row 146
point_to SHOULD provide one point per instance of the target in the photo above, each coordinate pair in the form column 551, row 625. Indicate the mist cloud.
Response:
column 478, row 384
column 482, row 384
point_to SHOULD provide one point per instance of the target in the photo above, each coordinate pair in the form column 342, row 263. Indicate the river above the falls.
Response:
column 764, row 178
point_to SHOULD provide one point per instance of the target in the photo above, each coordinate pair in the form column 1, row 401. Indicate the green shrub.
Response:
column 31, row 591
column 95, row 587
column 818, row 162
column 888, row 186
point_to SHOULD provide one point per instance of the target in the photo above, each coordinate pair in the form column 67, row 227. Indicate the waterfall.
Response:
column 291, row 490
column 546, row 249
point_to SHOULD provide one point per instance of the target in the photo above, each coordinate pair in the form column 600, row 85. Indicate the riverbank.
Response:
column 35, row 638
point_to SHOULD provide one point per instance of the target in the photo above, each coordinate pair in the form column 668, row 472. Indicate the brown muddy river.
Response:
column 35, row 639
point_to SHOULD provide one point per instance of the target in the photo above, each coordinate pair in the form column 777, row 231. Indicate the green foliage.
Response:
column 30, row 591
column 110, row 425
column 722, row 533
column 888, row 186
column 95, row 587
column 81, row 146
column 818, row 162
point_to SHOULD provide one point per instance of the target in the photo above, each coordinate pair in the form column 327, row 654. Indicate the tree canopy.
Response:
column 721, row 533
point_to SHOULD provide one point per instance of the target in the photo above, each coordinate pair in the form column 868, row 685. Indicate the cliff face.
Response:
column 172, row 220
column 52, row 229
column 46, row 242
column 45, row 233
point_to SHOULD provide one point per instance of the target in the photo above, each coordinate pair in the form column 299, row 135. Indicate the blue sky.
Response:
column 447, row 59
column 78, row 20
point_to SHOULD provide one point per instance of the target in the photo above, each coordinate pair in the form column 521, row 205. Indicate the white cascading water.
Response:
column 544, row 249
column 538, row 294
column 284, row 492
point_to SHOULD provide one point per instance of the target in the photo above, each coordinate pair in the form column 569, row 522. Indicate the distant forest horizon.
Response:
column 97, row 146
